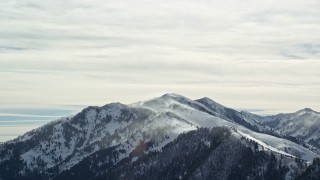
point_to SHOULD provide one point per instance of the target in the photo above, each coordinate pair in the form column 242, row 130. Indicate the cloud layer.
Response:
column 252, row 53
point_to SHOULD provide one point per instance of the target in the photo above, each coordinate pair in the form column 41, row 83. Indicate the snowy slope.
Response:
column 303, row 124
column 177, row 105
column 233, row 115
column 103, row 128
column 131, row 131
column 201, row 154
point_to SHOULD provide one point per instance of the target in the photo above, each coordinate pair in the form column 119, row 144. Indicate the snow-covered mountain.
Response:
column 303, row 124
column 245, row 119
column 133, row 141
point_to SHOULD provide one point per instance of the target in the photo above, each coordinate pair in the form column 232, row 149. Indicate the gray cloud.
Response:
column 245, row 54
column 11, row 48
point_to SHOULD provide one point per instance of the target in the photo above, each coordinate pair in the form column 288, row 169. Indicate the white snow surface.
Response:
column 303, row 124
column 266, row 146
column 169, row 116
column 167, row 103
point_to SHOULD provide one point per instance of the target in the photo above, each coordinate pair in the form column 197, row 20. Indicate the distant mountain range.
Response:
column 168, row 137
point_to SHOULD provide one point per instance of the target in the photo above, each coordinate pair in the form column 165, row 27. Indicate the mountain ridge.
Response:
column 122, row 130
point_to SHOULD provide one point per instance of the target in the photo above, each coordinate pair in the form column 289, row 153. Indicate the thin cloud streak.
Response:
column 26, row 115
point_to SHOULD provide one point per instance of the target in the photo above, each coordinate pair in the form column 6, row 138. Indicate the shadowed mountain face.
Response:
column 169, row 137
column 312, row 172
column 232, row 115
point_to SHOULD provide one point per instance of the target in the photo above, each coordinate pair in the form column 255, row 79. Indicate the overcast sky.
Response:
column 59, row 56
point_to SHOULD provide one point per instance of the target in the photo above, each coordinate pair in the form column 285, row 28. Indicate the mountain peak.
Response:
column 307, row 110
column 209, row 101
column 175, row 97
column 172, row 95
column 114, row 104
column 99, row 140
column 205, row 99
